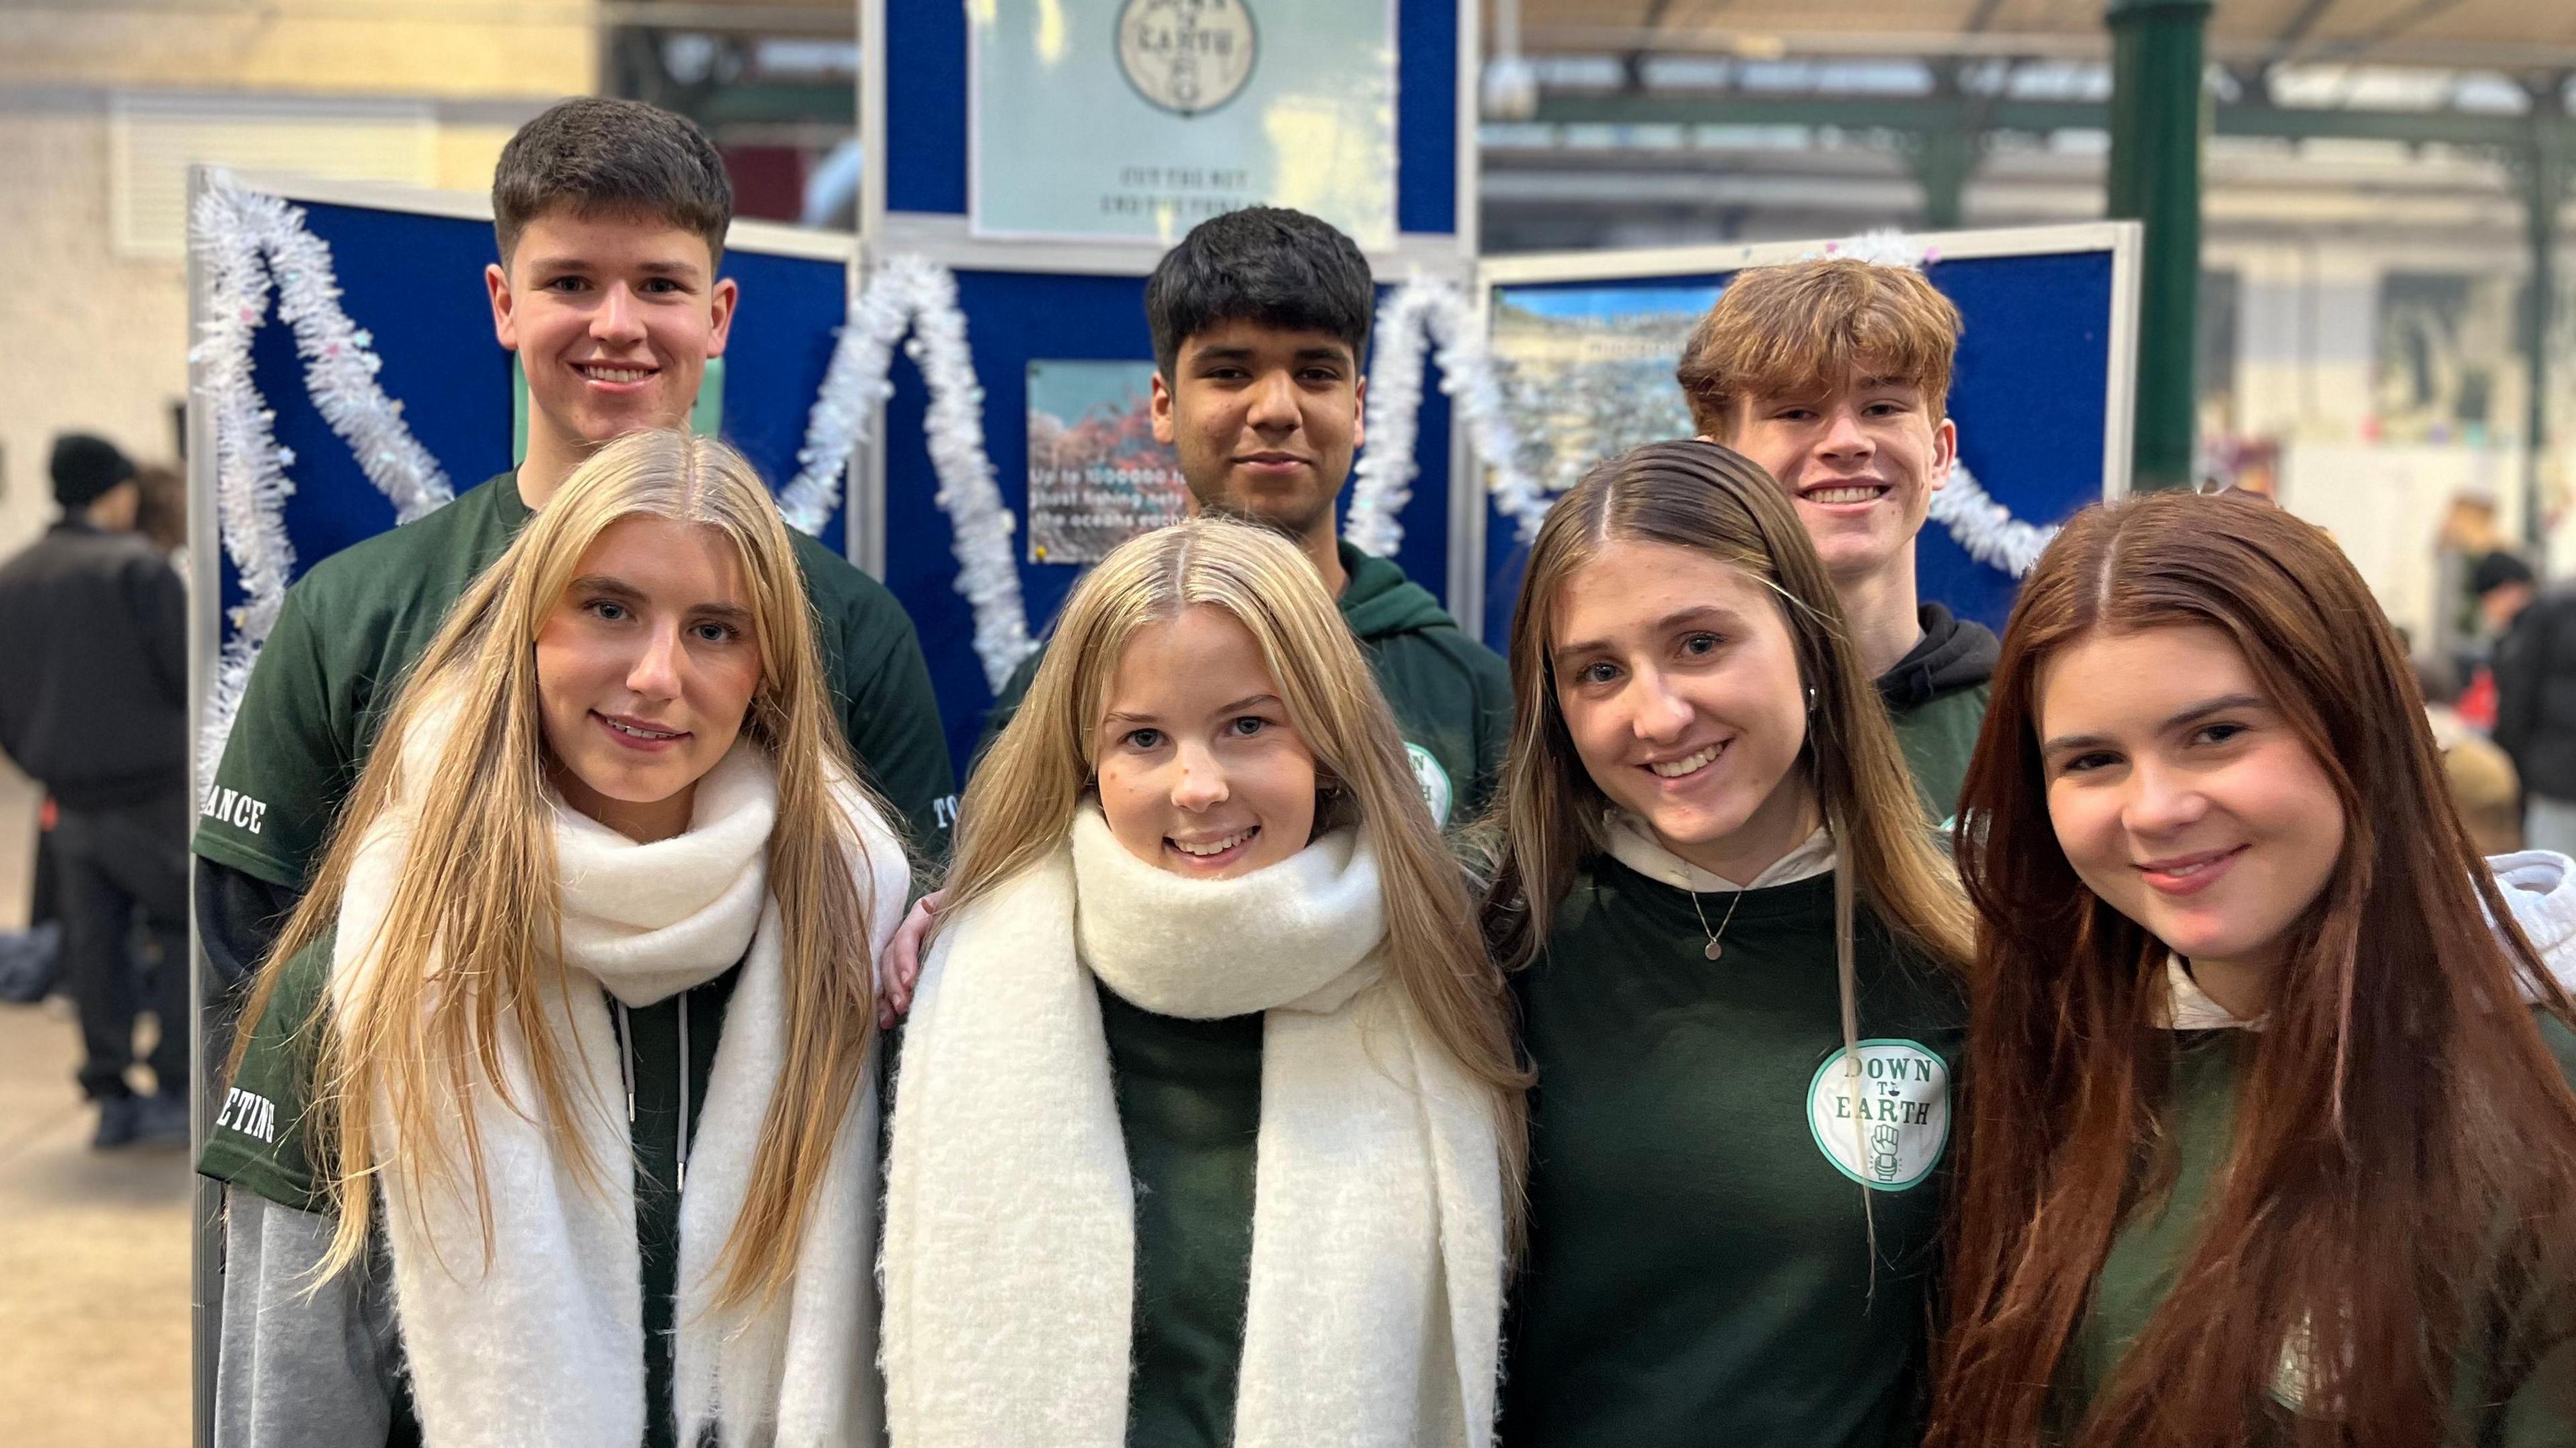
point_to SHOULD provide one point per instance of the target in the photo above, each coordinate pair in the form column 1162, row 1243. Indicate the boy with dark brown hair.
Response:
column 610, row 217
column 1834, row 375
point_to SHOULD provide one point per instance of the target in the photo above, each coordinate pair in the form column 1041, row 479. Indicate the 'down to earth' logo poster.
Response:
column 1135, row 120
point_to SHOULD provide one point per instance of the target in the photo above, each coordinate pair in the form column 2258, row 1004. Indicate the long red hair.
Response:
column 2405, row 1143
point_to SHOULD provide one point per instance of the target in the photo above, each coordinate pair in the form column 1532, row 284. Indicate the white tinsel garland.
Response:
column 1884, row 247
column 1418, row 313
column 1987, row 529
column 250, row 244
column 908, row 292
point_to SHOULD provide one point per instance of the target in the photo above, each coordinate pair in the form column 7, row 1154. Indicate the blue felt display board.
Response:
column 415, row 281
column 2029, row 395
column 1015, row 318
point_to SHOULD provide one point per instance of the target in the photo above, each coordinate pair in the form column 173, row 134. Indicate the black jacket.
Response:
column 94, row 667
column 2535, row 677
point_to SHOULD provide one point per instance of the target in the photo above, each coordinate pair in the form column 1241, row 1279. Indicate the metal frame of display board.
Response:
column 2123, row 240
column 947, row 238
column 205, row 643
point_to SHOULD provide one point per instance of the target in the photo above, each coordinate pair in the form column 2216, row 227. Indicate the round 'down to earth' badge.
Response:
column 1885, row 1124
column 1187, row 56
column 1437, row 792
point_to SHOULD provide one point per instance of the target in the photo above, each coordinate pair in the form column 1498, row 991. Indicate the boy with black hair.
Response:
column 1260, row 320
column 1834, row 375
column 610, row 217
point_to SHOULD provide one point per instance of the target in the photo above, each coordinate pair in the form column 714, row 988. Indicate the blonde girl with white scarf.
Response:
column 1207, row 1123
column 612, row 793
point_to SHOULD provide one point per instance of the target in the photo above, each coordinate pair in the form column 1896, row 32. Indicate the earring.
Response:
column 1811, row 698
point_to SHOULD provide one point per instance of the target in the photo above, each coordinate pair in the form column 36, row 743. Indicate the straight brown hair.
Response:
column 2405, row 1143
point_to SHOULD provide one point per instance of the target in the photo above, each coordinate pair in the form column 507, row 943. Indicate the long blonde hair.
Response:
column 1023, row 797
column 485, row 897
column 1550, row 815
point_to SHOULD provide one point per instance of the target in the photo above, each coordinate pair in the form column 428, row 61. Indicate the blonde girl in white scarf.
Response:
column 1204, row 810
column 614, row 777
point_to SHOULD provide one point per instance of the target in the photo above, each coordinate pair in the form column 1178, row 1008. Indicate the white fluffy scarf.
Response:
column 1010, row 1218
column 545, row 1344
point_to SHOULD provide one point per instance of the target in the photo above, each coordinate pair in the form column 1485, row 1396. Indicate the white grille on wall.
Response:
column 153, row 140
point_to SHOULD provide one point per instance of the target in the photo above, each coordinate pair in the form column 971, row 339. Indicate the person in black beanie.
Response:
column 93, row 706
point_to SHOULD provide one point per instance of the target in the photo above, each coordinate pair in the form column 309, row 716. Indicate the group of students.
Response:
column 1733, row 1017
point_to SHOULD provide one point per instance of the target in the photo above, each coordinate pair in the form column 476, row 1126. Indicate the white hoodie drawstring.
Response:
column 626, row 1074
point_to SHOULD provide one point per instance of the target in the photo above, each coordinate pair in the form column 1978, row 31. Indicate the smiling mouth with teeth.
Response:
column 597, row 372
column 1691, row 764
column 1208, row 849
column 1855, row 493
column 634, row 732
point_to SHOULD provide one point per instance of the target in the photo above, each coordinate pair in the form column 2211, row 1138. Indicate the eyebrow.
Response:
column 2225, row 703
column 1716, row 615
column 686, row 270
column 618, row 588
column 1247, row 701
column 1207, row 355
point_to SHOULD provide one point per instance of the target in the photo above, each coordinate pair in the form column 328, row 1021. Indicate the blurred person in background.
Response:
column 162, row 512
column 93, row 706
column 2534, row 667
column 2500, row 587
column 2483, row 782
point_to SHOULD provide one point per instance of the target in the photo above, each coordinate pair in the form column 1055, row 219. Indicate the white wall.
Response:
column 98, row 339
column 98, row 343
column 2385, row 506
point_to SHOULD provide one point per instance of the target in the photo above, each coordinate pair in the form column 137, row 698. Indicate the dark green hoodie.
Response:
column 1936, row 696
column 1452, row 696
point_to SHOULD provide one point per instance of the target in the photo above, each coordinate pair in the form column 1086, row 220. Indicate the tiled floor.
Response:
column 93, row 1261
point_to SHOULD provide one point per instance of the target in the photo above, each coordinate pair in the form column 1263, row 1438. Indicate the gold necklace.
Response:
column 1713, row 950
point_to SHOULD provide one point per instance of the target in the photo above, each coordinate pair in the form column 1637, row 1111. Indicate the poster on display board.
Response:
column 1585, row 346
column 1135, row 120
column 1097, row 476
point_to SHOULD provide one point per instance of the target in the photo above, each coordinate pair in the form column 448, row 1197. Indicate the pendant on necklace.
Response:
column 1713, row 950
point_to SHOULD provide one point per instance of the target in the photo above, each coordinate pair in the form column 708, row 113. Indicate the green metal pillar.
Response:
column 1942, row 161
column 2544, row 174
column 2159, row 114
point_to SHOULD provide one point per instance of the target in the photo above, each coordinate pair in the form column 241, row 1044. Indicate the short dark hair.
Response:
column 600, row 156
column 1265, row 264
column 2497, row 570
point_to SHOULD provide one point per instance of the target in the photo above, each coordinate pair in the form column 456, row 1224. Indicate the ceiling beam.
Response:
column 2356, row 47
column 1920, row 114
column 1778, row 42
column 2297, row 27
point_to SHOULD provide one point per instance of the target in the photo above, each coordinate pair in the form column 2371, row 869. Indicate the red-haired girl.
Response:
column 2265, row 1136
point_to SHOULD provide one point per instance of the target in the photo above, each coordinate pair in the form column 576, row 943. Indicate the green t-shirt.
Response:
column 1189, row 1104
column 353, row 626
column 257, row 1142
column 2525, row 1410
column 1699, row 1267
column 1939, row 737
column 1451, row 695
